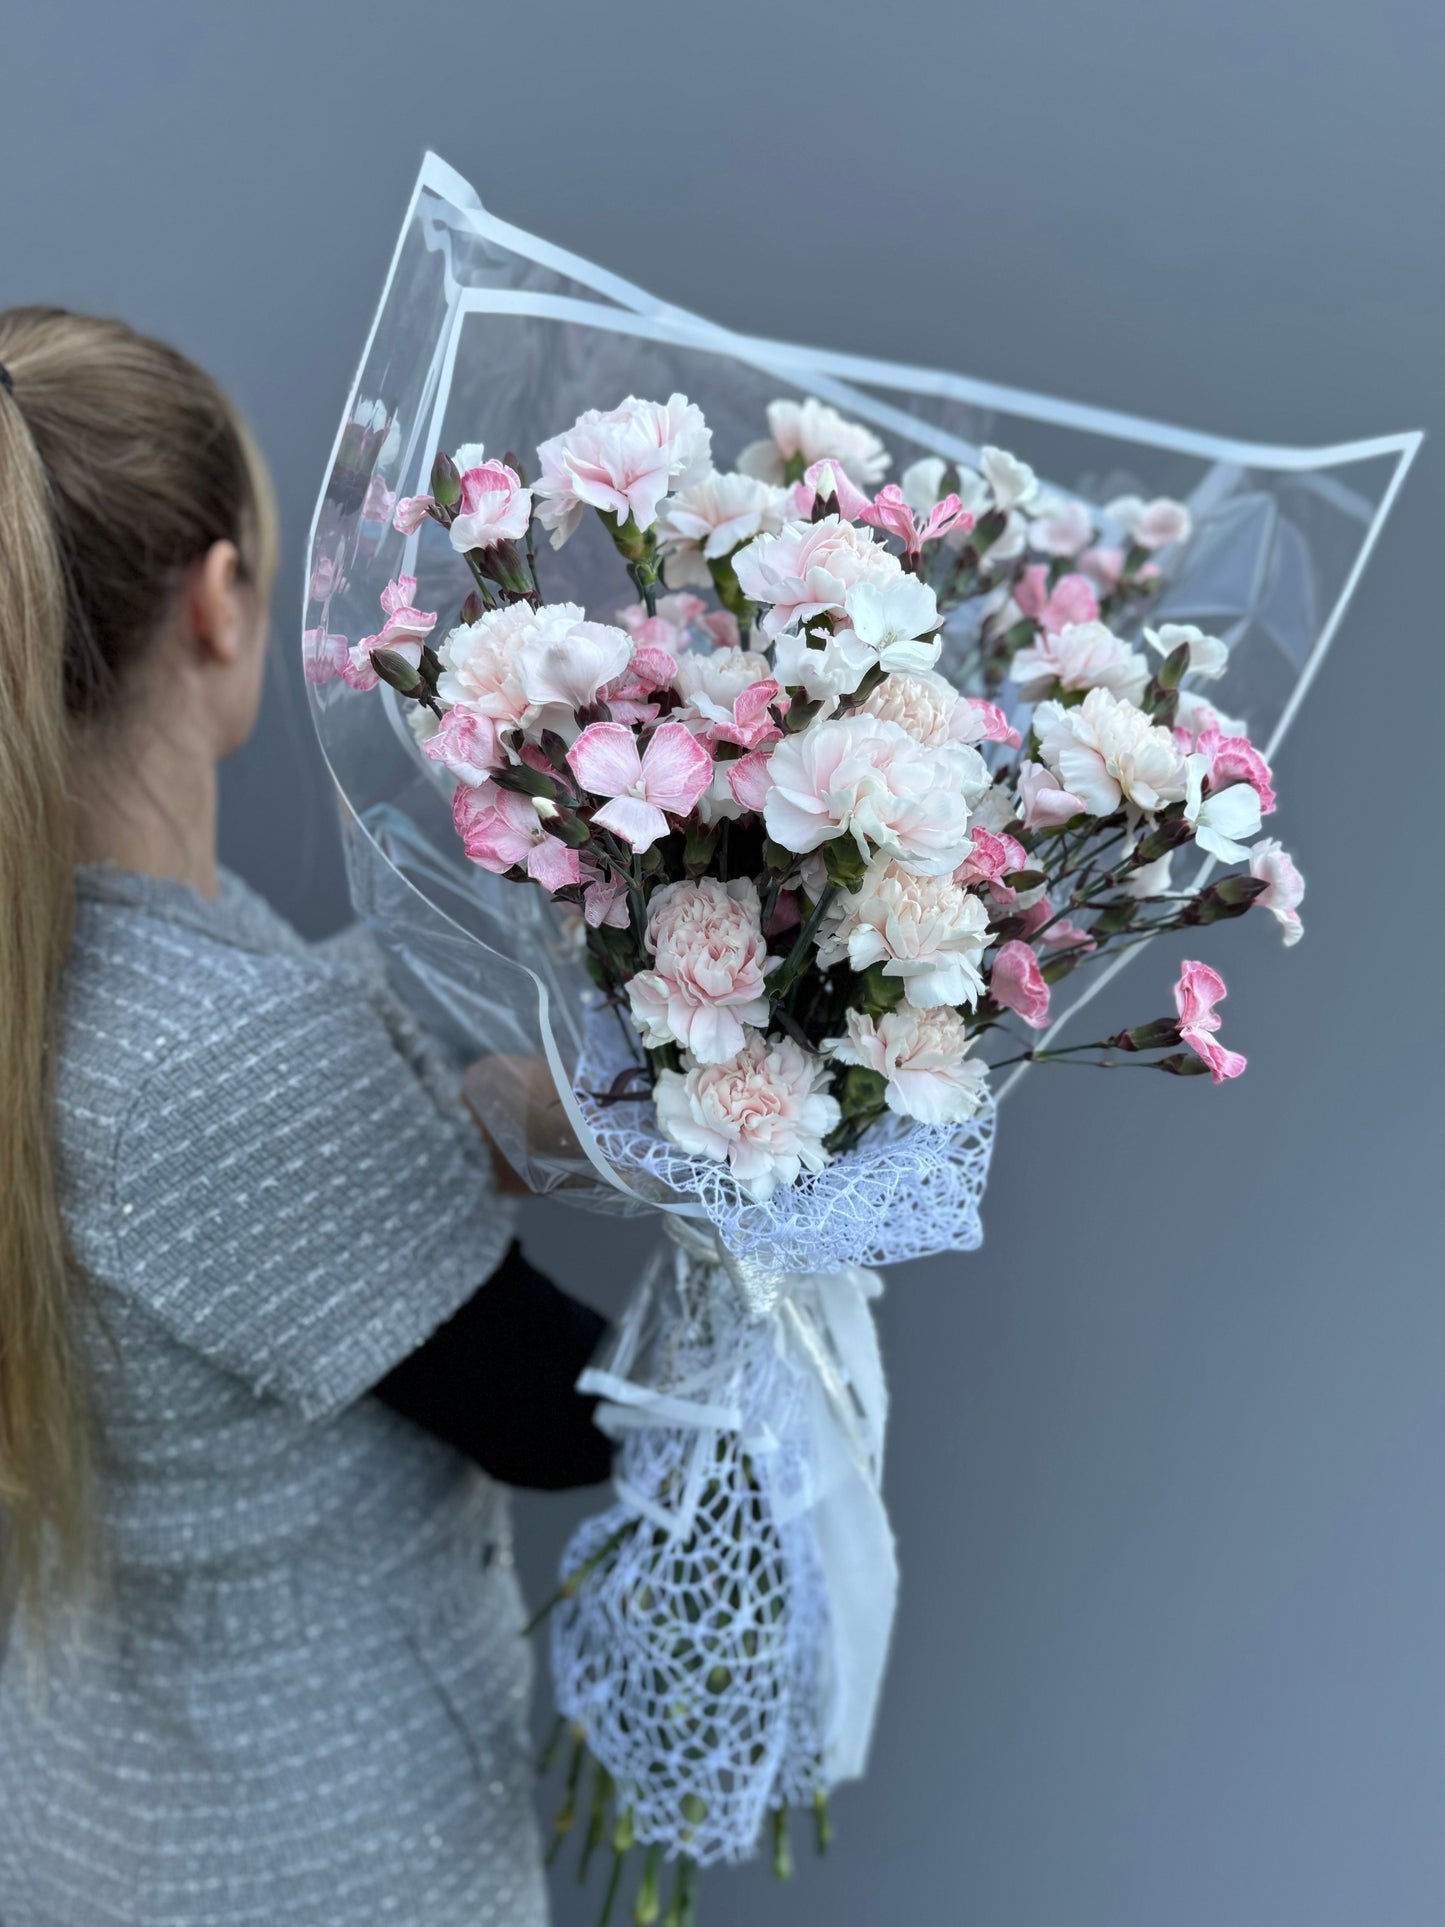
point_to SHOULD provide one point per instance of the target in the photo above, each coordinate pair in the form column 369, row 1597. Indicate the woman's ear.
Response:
column 219, row 607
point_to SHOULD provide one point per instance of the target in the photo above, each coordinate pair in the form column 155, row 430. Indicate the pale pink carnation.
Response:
column 925, row 704
column 923, row 1056
column 925, row 930
column 1082, row 655
column 710, row 968
column 622, row 461
column 856, row 776
column 479, row 663
column 1272, row 864
column 811, row 431
column 713, row 516
column 1198, row 990
column 1061, row 528
column 410, row 512
column 563, row 664
column 465, row 742
column 1016, row 982
column 766, row 1111
column 1151, row 525
column 494, row 508
column 1103, row 565
column 807, row 568
column 1044, row 803
column 1108, row 752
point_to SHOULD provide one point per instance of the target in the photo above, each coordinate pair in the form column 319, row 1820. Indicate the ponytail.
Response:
column 121, row 463
column 43, row 1433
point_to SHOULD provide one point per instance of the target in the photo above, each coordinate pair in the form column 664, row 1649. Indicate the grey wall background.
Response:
column 1166, row 1455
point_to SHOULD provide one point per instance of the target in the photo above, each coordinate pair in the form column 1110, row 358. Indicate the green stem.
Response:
column 783, row 979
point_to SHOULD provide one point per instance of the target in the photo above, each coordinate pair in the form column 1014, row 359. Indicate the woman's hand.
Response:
column 521, row 1088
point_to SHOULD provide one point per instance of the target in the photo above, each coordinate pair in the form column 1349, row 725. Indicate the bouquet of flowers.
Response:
column 800, row 801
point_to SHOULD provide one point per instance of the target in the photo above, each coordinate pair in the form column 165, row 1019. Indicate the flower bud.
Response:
column 446, row 481
column 1168, row 833
column 1156, row 1035
column 567, row 829
column 527, row 781
column 473, row 609
column 397, row 672
column 544, row 806
column 1183, row 1064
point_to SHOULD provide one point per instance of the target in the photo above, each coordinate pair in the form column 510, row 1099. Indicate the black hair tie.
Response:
column 5, row 381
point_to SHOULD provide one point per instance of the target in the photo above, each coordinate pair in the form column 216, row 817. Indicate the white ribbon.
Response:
column 822, row 1323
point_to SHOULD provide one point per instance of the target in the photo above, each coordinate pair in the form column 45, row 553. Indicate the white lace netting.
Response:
column 691, row 1654
column 905, row 1191
column 695, row 1652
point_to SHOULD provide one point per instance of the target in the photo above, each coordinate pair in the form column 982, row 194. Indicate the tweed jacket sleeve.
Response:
column 298, row 1195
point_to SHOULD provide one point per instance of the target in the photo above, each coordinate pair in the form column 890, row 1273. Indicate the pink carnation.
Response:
column 890, row 510
column 325, row 656
column 1234, row 759
column 827, row 481
column 410, row 512
column 807, row 568
column 621, row 461
column 991, row 859
column 1072, row 599
column 711, row 963
column 465, row 742
column 501, row 830
column 977, row 721
column 1016, row 982
column 766, row 1111
column 1272, row 864
column 642, row 788
column 1198, row 990
column 404, row 632
column 727, row 696
column 1044, row 803
column 671, row 627
column 494, row 508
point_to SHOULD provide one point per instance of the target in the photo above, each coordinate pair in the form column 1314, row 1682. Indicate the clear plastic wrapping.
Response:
column 485, row 334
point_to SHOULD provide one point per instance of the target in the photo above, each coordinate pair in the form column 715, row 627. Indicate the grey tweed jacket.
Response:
column 298, row 1695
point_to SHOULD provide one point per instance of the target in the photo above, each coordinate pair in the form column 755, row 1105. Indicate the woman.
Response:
column 265, row 1664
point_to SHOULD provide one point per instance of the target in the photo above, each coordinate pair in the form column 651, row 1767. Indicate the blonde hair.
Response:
column 121, row 463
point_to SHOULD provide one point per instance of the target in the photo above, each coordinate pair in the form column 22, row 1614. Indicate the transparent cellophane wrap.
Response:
column 488, row 334
column 485, row 334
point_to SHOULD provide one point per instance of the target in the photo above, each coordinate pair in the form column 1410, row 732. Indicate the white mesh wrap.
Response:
column 691, row 1655
column 724, row 1649
column 905, row 1191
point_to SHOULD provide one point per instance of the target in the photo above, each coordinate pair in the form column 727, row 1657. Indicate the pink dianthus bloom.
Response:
column 1198, row 990
column 1016, row 982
